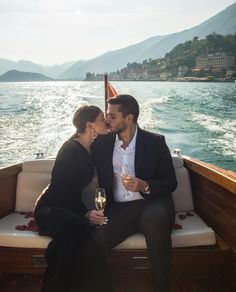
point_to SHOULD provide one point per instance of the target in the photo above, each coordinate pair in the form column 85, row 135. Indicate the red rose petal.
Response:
column 31, row 223
column 32, row 228
column 177, row 226
column 21, row 227
column 189, row 214
column 182, row 216
column 29, row 215
column 35, row 229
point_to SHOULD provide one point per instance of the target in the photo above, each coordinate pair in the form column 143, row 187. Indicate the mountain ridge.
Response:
column 19, row 76
column 28, row 66
column 223, row 22
column 154, row 47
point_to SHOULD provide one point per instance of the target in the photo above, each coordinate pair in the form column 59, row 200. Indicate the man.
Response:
column 139, row 200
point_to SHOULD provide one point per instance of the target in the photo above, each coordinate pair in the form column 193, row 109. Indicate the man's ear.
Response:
column 130, row 117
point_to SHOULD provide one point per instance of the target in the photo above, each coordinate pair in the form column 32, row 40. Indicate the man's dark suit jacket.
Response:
column 153, row 163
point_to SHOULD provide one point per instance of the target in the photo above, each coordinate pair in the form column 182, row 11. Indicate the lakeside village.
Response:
column 184, row 64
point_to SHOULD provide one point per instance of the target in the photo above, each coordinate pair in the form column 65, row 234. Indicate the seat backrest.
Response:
column 33, row 178
column 36, row 175
column 182, row 196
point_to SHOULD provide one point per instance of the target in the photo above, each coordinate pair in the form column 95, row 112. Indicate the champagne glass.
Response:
column 100, row 199
column 125, row 174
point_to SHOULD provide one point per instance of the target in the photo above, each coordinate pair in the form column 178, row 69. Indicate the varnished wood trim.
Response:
column 19, row 260
column 222, row 177
column 216, row 205
column 11, row 170
column 203, row 260
column 8, row 181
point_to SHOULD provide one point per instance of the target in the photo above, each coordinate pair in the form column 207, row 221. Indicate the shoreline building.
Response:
column 215, row 65
column 218, row 60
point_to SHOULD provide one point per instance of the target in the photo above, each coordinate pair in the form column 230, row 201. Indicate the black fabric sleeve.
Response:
column 67, row 180
column 164, row 181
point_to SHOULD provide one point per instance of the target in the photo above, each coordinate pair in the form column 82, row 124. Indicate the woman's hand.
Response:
column 96, row 217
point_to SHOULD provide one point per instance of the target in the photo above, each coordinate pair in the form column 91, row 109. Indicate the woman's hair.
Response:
column 84, row 114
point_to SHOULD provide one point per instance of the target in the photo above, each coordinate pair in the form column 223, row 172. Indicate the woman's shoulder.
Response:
column 102, row 144
column 67, row 146
column 103, row 140
column 69, row 149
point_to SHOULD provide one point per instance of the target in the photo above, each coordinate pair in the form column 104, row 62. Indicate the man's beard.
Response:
column 119, row 129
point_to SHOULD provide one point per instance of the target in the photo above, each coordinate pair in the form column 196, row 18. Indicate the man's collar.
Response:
column 133, row 141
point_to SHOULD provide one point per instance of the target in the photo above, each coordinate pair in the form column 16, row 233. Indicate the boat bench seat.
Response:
column 189, row 230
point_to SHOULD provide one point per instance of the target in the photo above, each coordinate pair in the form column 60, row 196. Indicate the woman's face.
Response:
column 100, row 125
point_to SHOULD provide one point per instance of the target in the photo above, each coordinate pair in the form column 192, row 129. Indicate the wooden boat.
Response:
column 203, row 268
column 200, row 268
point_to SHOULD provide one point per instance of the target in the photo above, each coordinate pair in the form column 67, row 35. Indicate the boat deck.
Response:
column 20, row 283
column 32, row 283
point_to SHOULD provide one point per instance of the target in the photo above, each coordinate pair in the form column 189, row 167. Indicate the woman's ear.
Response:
column 89, row 126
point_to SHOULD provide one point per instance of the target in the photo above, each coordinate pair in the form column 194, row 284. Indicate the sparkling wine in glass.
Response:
column 125, row 174
column 100, row 199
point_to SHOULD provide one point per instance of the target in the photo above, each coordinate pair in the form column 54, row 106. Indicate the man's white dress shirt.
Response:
column 124, row 158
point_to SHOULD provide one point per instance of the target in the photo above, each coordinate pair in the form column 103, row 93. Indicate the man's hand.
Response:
column 134, row 184
column 96, row 217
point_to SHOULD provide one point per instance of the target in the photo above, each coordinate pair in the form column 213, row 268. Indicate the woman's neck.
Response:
column 85, row 140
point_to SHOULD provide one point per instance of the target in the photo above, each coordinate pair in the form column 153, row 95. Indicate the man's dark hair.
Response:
column 127, row 105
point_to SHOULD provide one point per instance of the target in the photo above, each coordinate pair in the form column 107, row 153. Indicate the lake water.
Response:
column 198, row 118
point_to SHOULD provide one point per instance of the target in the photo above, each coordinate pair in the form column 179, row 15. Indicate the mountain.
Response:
column 155, row 47
column 15, row 76
column 222, row 23
column 28, row 66
column 56, row 70
column 22, row 65
column 107, row 62
column 6, row 65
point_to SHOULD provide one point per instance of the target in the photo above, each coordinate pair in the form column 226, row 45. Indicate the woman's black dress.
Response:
column 59, row 213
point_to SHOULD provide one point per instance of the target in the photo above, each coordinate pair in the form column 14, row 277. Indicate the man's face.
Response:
column 115, row 121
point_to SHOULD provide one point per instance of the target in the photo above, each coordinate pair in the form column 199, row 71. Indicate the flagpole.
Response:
column 106, row 91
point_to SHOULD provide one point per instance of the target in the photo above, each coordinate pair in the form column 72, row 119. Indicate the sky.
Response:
column 52, row 32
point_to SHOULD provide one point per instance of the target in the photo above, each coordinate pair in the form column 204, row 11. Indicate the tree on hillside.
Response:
column 186, row 53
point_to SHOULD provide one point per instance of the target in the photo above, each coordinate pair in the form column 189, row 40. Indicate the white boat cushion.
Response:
column 39, row 165
column 194, row 232
column 33, row 178
column 183, row 194
column 36, row 175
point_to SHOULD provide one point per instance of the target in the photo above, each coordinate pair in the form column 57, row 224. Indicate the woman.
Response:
column 61, row 214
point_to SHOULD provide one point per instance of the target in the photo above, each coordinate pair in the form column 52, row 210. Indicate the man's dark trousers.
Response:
column 154, row 219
